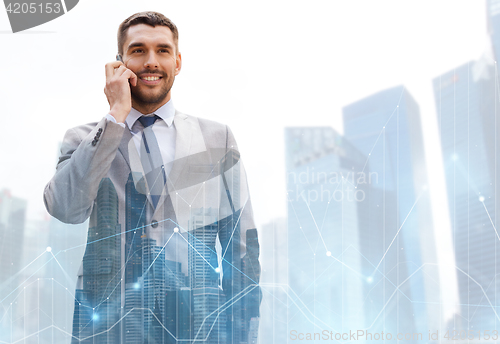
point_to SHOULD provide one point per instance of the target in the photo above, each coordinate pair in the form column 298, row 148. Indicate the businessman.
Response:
column 172, row 250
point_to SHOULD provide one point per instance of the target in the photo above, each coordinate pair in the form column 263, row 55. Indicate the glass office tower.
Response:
column 386, row 127
column 466, row 103
column 326, row 195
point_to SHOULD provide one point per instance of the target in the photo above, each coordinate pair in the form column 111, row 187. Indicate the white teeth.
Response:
column 151, row 78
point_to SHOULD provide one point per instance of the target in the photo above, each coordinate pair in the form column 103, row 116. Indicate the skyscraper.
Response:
column 274, row 280
column 209, row 322
column 135, row 220
column 101, row 278
column 325, row 267
column 467, row 102
column 12, row 223
column 178, row 304
column 493, row 22
column 153, row 278
column 134, row 312
column 12, row 229
column 386, row 127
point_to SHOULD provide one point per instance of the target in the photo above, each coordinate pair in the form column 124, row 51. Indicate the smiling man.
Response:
column 161, row 190
column 151, row 60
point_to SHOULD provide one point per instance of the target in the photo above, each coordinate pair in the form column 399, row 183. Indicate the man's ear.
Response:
column 178, row 64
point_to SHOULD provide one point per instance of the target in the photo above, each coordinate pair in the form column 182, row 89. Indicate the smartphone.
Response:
column 119, row 58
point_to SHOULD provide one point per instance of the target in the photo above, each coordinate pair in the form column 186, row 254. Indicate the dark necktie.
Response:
column 151, row 159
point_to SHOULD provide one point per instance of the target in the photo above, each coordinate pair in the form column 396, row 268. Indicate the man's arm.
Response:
column 88, row 151
column 86, row 156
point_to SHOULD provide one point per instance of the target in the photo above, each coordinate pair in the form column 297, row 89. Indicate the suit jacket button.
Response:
column 94, row 142
column 154, row 223
column 99, row 130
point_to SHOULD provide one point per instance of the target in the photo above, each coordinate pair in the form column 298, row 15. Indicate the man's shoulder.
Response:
column 211, row 130
column 204, row 123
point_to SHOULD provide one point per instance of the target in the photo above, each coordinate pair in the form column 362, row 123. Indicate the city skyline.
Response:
column 66, row 247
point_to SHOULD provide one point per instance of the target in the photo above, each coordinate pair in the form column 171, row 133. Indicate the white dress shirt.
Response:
column 163, row 128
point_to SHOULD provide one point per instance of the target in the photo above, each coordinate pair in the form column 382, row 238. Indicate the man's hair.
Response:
column 149, row 18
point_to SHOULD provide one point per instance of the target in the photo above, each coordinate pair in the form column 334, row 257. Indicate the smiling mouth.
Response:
column 151, row 78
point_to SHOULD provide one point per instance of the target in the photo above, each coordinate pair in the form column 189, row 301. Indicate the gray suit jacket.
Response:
column 205, row 202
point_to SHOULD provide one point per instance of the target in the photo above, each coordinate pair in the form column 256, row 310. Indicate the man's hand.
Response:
column 117, row 89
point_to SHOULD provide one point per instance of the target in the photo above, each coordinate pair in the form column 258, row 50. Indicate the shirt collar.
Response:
column 166, row 112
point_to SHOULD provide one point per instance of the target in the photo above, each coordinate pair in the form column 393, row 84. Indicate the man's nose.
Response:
column 151, row 61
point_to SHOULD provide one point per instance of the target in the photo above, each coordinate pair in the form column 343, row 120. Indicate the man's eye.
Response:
column 137, row 51
column 163, row 51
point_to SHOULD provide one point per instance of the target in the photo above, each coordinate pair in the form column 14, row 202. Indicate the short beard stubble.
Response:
column 151, row 101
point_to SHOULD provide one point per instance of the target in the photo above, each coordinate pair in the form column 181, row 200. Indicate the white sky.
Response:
column 256, row 66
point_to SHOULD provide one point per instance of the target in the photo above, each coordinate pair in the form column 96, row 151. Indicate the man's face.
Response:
column 150, row 53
